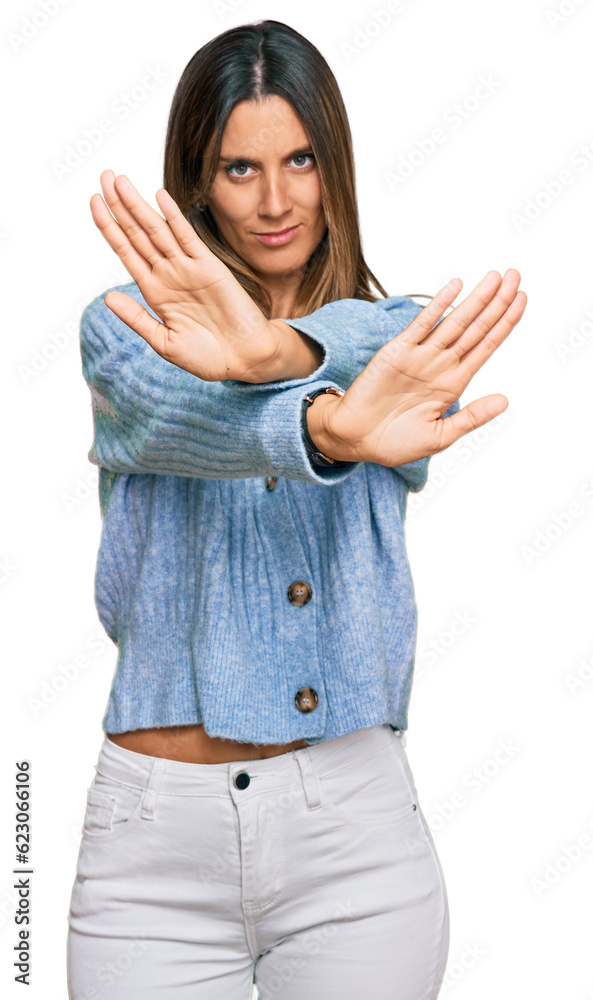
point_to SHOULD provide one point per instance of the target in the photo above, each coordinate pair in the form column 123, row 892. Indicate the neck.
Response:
column 283, row 289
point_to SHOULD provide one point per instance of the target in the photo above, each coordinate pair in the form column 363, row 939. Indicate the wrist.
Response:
column 296, row 356
column 318, row 426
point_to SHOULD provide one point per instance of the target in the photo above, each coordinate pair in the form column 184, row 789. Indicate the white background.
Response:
column 503, row 626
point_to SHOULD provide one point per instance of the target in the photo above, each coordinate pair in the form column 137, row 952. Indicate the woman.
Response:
column 253, row 818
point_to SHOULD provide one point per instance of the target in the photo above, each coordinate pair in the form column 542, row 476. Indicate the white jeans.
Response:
column 313, row 876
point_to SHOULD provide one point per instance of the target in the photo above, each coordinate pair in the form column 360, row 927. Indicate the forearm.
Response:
column 298, row 355
column 153, row 417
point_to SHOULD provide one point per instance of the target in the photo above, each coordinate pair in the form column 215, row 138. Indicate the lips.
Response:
column 278, row 238
column 279, row 232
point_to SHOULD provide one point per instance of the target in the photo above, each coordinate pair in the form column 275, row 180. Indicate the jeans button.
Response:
column 241, row 780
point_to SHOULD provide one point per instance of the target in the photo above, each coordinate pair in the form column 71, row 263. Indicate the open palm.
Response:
column 391, row 413
column 209, row 326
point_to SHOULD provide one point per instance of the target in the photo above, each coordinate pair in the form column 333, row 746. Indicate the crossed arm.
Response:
column 151, row 416
column 188, row 396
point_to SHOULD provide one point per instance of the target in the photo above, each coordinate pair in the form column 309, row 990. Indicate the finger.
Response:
column 153, row 224
column 137, row 266
column 423, row 323
column 471, row 416
column 459, row 319
column 135, row 316
column 486, row 320
column 131, row 228
column 483, row 350
column 185, row 233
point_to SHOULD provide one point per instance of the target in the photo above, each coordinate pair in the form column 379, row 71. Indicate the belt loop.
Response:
column 153, row 787
column 309, row 780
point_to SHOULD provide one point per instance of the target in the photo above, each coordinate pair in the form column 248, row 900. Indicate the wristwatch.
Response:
column 317, row 457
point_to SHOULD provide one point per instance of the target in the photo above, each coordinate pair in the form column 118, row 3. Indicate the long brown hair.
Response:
column 247, row 63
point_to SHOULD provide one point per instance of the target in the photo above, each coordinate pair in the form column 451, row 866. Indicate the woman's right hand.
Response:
column 391, row 414
column 211, row 327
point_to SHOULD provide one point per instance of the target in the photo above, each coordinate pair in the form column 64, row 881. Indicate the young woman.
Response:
column 253, row 818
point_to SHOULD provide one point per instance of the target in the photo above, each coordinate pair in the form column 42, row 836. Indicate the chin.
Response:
column 282, row 267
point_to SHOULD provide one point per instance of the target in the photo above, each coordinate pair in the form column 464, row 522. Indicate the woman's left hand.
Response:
column 391, row 414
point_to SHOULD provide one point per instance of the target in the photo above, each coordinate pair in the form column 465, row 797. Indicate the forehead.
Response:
column 268, row 125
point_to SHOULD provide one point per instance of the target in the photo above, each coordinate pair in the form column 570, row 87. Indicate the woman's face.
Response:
column 267, row 181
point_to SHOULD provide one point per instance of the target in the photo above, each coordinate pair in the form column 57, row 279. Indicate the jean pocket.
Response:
column 371, row 791
column 112, row 808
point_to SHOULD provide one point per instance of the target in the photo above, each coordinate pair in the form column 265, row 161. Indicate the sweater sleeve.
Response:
column 351, row 331
column 150, row 416
column 347, row 332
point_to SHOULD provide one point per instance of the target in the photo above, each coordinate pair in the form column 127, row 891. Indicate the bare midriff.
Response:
column 193, row 745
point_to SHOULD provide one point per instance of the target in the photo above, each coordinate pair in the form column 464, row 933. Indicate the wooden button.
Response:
column 271, row 482
column 299, row 592
column 306, row 700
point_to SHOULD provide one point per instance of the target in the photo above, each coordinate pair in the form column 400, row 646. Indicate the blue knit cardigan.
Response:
column 197, row 555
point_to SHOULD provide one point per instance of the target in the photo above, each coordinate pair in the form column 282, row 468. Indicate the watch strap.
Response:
column 317, row 457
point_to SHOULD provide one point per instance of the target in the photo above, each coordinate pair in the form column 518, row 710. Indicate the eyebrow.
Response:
column 257, row 163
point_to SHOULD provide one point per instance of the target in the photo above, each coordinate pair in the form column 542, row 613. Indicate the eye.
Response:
column 304, row 156
column 242, row 167
column 237, row 166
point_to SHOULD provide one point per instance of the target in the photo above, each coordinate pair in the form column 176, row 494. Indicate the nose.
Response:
column 275, row 197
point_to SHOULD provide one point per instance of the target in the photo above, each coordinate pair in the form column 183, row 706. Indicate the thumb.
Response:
column 474, row 415
column 135, row 316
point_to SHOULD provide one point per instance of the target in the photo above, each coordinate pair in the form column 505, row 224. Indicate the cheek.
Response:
column 231, row 207
column 311, row 196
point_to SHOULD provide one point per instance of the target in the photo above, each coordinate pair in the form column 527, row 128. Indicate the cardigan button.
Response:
column 306, row 700
column 271, row 482
column 299, row 593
